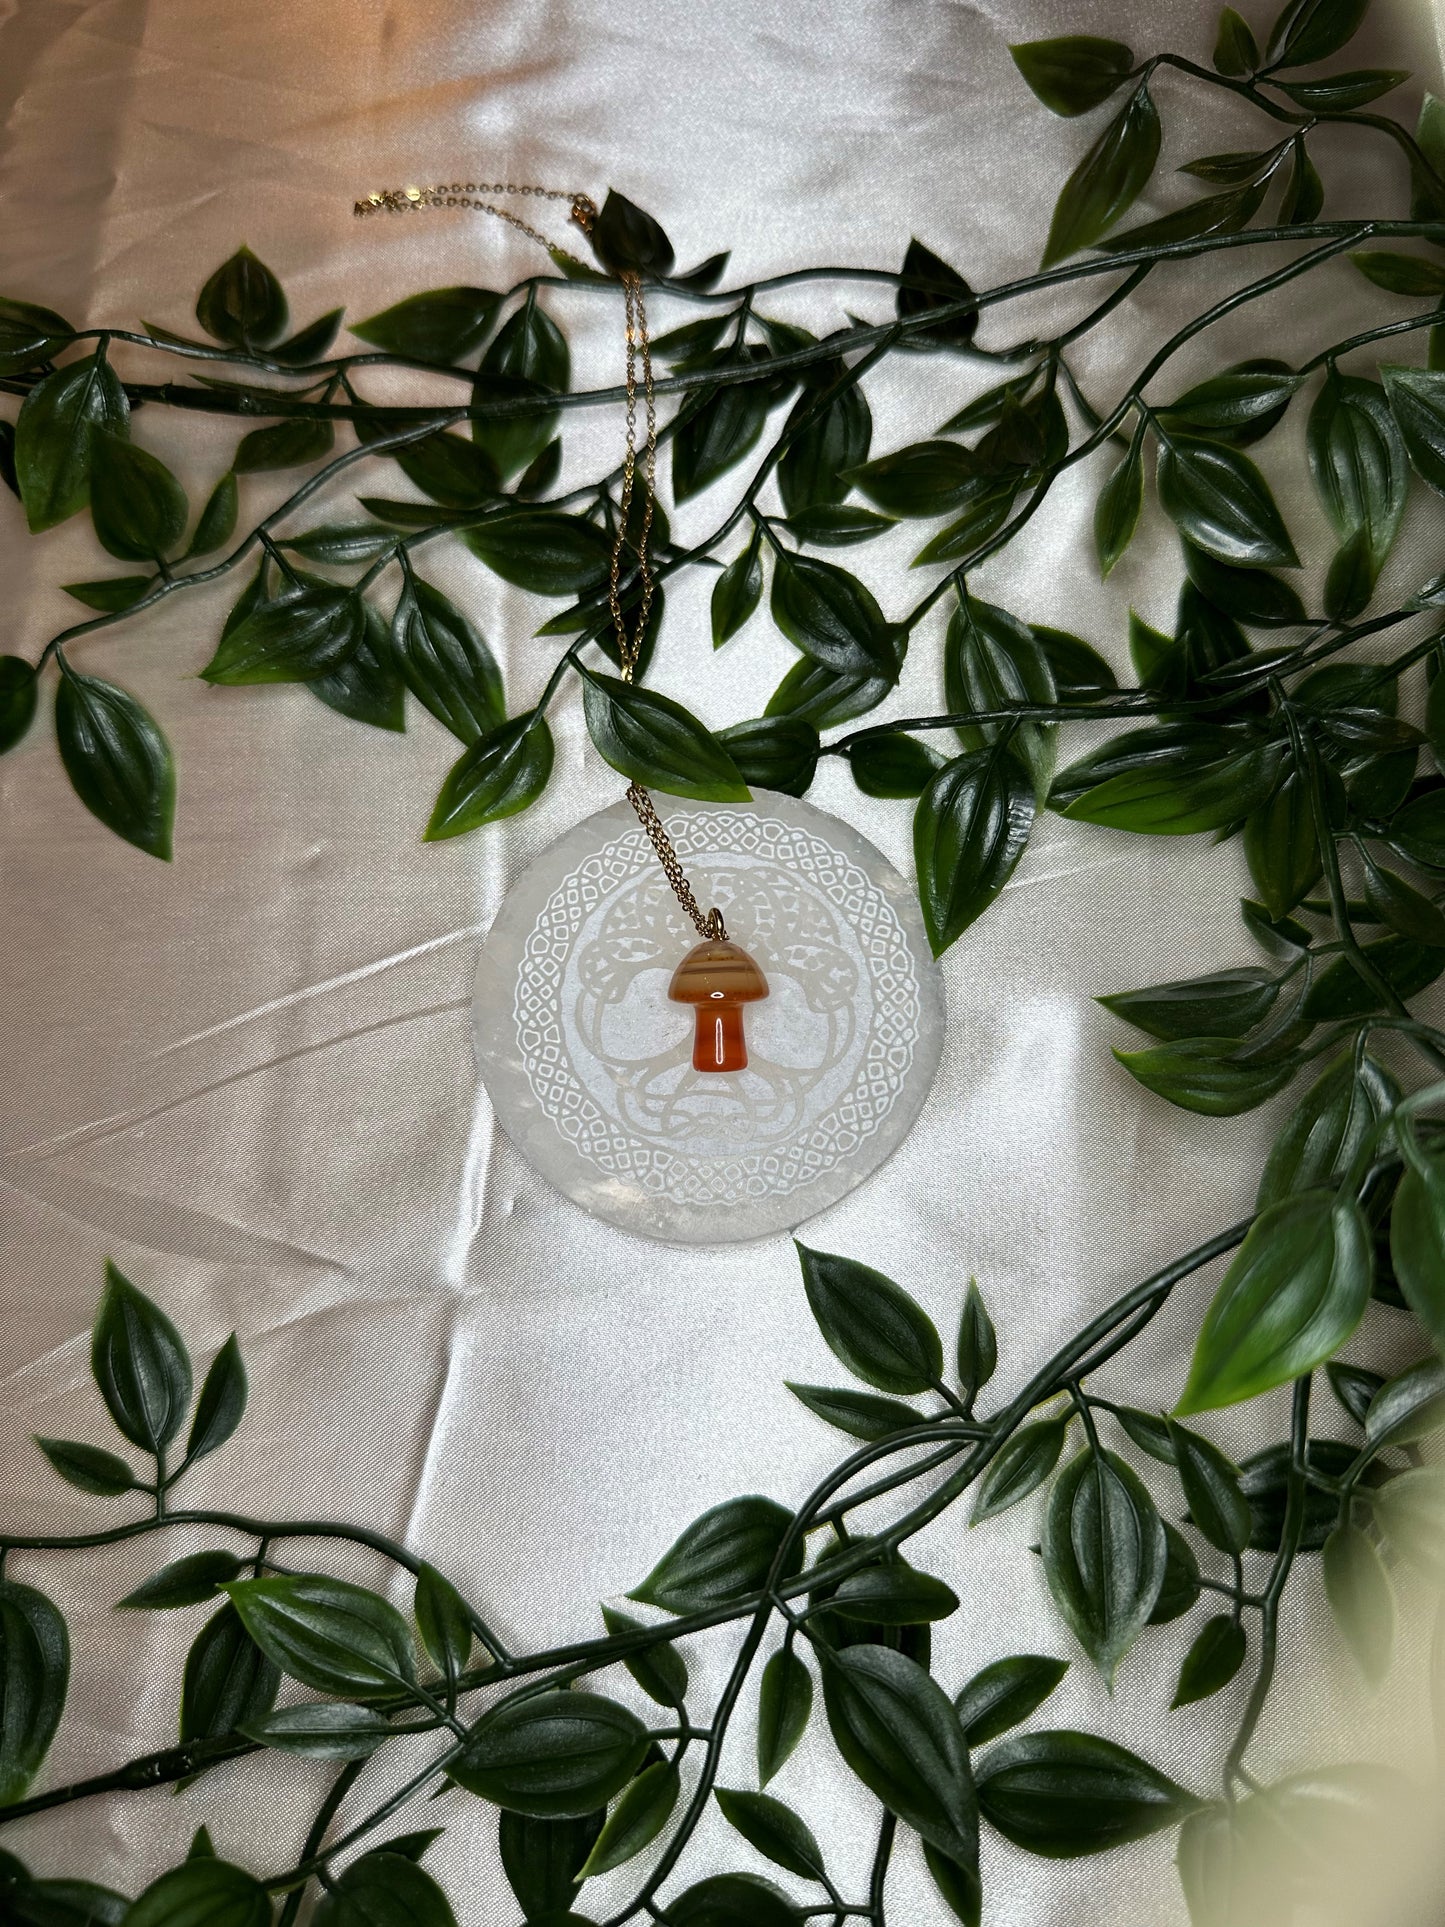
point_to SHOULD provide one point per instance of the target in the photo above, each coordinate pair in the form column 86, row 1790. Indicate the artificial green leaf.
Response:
column 1295, row 1291
column 1340, row 93
column 1252, row 596
column 1063, row 1794
column 29, row 335
column 1214, row 214
column 1104, row 1553
column 228, row 1679
column 774, row 1829
column 303, row 634
column 969, row 831
column 732, row 1900
column 1358, row 461
column 993, row 662
column 831, row 617
column 1208, row 1075
column 1236, row 50
column 1078, row 670
column 222, row 1403
column 19, row 694
column 1353, row 1386
column 1217, row 1505
column 813, row 468
column 1239, row 405
column 55, row 435
column 332, row 1636
column 1179, row 1592
column 34, row 1675
column 553, row 1755
column 527, row 362
column 1408, row 1407
column 1108, row 180
column 785, row 1701
column 726, row 1554
column 1205, row 783
column 499, row 775
column 892, row 765
column 933, row 284
column 216, row 523
column 242, row 304
column 1340, row 991
column 138, row 507
column 366, row 685
column 1350, row 579
column 1116, row 513
column 737, row 591
column 628, row 241
column 990, row 498
column 1265, row 1477
column 893, row 1594
column 1323, row 1134
column 959, row 1883
column 898, row 1731
column 446, row 662
column 1417, row 1233
column 1304, row 196
column 384, row 1889
column 1417, row 401
column 538, row 550
column 441, row 325
column 1418, row 831
column 1227, row 1003
column 1075, row 72
column 202, row 1893
column 774, row 752
column 651, row 739
column 718, row 425
column 140, row 1364
column 818, row 696
column 308, row 344
column 1407, row 274
column 1212, row 1661
column 191, row 1581
column 976, row 1352
column 924, row 479
column 88, row 1467
column 285, row 444
column 1006, row 1692
column 878, row 1331
column 1150, row 1433
column 1230, row 170
column 660, row 1670
column 444, row 1621
column 1361, row 1599
column 1311, row 30
column 542, row 1859
column 642, row 1810
column 322, row 1730
column 862, row 1415
column 1021, row 1464
column 1281, row 846
column 1218, row 499
column 66, row 1903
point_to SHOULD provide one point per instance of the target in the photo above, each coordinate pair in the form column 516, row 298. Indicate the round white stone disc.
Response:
column 589, row 1066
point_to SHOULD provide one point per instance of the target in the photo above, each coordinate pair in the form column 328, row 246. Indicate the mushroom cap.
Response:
column 717, row 973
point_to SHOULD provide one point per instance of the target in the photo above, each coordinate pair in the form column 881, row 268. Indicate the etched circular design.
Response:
column 589, row 1065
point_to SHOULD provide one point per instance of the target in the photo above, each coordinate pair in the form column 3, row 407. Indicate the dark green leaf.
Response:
column 1180, row 1590
column 1204, row 1074
column 305, row 633
column 191, row 1581
column 1408, row 1407
column 322, row 1730
column 311, row 342
column 1116, row 513
column 222, row 1404
column 651, row 739
column 228, row 1679
column 444, row 1622
column 1104, row 1554
column 498, row 776
column 88, row 1467
column 1148, row 1432
column 990, row 499
column 976, row 1352
column 1075, row 72
column 1282, row 847
column 216, row 523
column 19, row 693
column 34, row 1675
column 1265, row 1476
column 384, row 1889
column 1295, row 1291
column 541, row 1859
column 29, row 335
column 1218, row 499
column 628, row 241
column 1230, row 170
column 1212, row 1661
column 831, row 617
column 774, row 1829
column 1108, row 180
column 556, row 1755
column 1340, row 992
column 1225, row 1004
column 411, row 1846
column 993, row 662
column 242, row 303
column 527, row 362
column 892, row 765
column 1340, row 93
column 969, row 831
column 959, row 1884
column 549, row 554
column 924, row 479
column 1215, row 214
column 643, row 1809
column 880, row 1333
column 862, row 1415
column 1207, row 782
column 55, row 435
column 1407, row 274
column 660, row 1670
column 784, row 1704
column 1006, row 1692
column 140, row 1364
column 330, row 1635
column 442, row 325
column 367, row 685
column 836, row 526
column 732, row 1900
column 287, row 444
column 1418, row 832
column 1251, row 596
column 138, row 507
column 1325, row 1131
column 1304, row 197
column 447, row 664
column 1361, row 1599
column 66, row 1903
column 737, row 591
column 1311, row 30
column 1217, row 1505
column 1417, row 401
column 718, row 426
column 774, row 752
column 893, row 1595
column 202, row 1893
column 726, row 1554
column 814, row 465
column 1353, row 1386
column 1358, row 461
column 1350, row 579
column 1417, row 1232
column 1022, row 1463
column 818, row 696
column 934, row 284
column 1239, row 405
column 898, row 1731
column 1063, row 1794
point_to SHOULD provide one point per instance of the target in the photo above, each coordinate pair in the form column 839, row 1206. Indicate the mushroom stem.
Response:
column 718, row 1043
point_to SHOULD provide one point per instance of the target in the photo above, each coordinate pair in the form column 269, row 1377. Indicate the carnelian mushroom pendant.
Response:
column 717, row 979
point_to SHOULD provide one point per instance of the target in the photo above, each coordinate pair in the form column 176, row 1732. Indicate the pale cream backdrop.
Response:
column 247, row 1076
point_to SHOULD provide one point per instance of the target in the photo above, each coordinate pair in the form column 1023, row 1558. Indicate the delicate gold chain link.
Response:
column 406, row 200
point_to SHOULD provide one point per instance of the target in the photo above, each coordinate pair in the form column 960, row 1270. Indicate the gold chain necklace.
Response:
column 717, row 977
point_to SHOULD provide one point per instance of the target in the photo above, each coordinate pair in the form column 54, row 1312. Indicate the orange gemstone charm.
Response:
column 718, row 979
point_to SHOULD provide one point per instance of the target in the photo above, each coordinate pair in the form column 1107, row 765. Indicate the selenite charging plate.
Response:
column 589, row 1066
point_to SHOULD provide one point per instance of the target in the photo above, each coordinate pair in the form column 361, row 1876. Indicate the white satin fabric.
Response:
column 247, row 1076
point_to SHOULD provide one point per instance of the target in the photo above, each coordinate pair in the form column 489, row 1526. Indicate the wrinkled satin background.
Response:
column 247, row 1076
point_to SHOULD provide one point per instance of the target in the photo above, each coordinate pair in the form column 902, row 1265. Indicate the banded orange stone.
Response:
column 717, row 979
